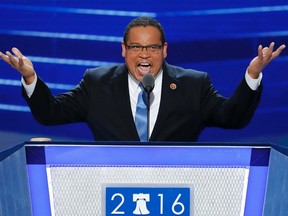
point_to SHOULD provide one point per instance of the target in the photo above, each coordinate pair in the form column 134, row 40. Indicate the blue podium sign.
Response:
column 154, row 201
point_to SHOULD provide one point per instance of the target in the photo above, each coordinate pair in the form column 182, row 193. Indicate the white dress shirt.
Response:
column 155, row 97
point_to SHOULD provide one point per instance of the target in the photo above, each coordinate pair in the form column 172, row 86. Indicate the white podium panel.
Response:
column 217, row 189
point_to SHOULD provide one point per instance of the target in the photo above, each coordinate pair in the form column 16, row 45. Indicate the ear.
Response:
column 123, row 49
column 165, row 46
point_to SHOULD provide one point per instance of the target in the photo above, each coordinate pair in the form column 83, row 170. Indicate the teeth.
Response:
column 144, row 68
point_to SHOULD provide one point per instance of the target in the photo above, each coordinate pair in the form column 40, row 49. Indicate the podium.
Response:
column 125, row 178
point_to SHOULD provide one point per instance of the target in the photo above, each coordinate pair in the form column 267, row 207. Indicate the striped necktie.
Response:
column 141, row 115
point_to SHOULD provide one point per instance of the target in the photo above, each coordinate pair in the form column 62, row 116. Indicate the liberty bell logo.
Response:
column 141, row 200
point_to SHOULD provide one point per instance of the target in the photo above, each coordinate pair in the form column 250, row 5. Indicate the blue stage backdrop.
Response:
column 63, row 38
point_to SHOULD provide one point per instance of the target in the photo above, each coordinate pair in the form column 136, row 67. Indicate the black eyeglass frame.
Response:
column 136, row 48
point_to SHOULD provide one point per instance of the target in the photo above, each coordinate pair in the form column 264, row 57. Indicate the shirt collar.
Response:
column 134, row 84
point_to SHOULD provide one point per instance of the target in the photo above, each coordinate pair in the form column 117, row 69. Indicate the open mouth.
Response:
column 144, row 68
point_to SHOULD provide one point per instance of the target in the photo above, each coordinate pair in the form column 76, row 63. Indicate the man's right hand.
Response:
column 21, row 64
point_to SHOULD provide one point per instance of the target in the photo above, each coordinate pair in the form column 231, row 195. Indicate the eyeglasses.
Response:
column 139, row 48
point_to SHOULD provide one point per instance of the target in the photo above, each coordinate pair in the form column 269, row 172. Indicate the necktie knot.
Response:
column 144, row 94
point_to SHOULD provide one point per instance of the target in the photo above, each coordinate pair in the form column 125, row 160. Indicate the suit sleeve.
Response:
column 234, row 112
column 64, row 108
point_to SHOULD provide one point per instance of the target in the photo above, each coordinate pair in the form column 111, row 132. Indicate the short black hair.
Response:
column 144, row 21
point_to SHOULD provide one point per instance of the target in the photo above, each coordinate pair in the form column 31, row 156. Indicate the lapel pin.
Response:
column 173, row 86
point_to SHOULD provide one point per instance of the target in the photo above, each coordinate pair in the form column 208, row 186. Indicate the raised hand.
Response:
column 265, row 56
column 21, row 63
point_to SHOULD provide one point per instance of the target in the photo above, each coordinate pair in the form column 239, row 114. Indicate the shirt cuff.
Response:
column 29, row 88
column 253, row 83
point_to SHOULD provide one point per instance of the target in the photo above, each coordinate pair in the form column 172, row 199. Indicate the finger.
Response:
column 278, row 51
column 260, row 52
column 13, row 61
column 19, row 55
column 5, row 58
column 2, row 55
column 21, row 62
column 268, row 52
column 17, row 52
column 271, row 46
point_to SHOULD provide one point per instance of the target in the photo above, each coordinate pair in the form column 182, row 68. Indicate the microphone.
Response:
column 148, row 83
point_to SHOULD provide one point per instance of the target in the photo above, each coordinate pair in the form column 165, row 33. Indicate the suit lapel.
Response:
column 119, row 84
column 169, row 98
column 171, row 91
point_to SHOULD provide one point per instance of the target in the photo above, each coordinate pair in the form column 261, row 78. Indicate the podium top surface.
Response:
column 7, row 152
column 126, row 154
column 4, row 153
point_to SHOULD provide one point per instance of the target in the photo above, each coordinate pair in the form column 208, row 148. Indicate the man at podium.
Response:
column 182, row 102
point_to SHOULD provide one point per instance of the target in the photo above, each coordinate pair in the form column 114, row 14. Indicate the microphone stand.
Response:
column 148, row 82
column 148, row 115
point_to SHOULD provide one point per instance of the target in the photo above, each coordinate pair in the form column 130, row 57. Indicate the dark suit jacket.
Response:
column 102, row 100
